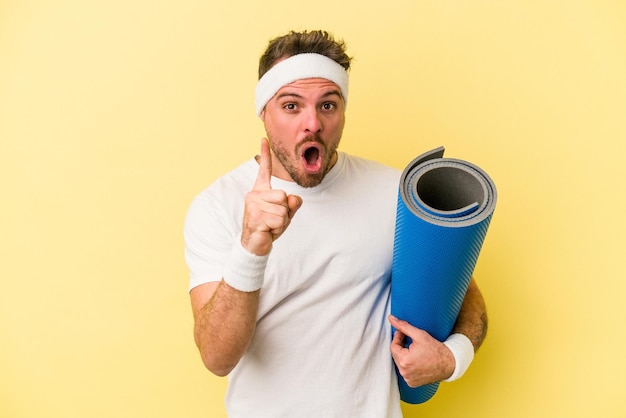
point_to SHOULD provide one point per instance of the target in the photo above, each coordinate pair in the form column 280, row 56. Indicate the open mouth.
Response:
column 311, row 154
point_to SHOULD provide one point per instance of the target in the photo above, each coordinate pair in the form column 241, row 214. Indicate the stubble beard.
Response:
column 300, row 177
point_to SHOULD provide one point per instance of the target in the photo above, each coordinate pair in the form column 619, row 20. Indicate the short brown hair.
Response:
column 294, row 43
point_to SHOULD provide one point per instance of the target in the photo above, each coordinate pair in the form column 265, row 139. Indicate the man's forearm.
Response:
column 472, row 319
column 224, row 327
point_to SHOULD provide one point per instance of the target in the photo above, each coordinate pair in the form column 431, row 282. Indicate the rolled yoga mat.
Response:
column 444, row 209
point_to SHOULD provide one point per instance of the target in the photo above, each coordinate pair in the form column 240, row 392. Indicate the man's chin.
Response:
column 308, row 180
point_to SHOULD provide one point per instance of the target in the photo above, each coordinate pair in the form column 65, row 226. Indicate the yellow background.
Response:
column 114, row 114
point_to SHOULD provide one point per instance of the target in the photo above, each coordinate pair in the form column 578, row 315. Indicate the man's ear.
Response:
column 262, row 115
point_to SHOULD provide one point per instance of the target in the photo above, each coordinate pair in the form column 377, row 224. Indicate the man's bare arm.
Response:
column 224, row 315
column 472, row 319
column 225, row 319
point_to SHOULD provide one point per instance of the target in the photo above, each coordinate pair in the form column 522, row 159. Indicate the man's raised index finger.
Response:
column 265, row 167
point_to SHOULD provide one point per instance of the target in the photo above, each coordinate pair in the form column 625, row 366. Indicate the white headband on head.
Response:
column 298, row 67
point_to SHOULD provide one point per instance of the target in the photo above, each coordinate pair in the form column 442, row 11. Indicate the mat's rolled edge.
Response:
column 431, row 162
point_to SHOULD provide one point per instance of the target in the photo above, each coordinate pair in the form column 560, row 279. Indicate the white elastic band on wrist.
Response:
column 298, row 67
column 463, row 352
column 245, row 271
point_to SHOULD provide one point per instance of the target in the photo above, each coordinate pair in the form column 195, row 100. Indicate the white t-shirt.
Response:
column 321, row 344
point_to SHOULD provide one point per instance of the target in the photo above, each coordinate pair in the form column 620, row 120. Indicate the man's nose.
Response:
column 313, row 122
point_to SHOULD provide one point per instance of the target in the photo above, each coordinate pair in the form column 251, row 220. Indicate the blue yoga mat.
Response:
column 444, row 209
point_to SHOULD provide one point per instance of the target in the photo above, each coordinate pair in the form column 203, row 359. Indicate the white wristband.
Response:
column 245, row 271
column 463, row 353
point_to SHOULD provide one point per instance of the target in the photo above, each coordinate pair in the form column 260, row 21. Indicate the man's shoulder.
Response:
column 239, row 177
column 228, row 187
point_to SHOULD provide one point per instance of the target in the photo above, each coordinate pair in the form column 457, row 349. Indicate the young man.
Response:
column 290, row 257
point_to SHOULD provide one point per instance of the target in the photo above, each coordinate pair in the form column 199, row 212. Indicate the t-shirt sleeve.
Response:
column 208, row 240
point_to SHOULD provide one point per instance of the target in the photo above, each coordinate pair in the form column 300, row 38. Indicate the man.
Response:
column 290, row 257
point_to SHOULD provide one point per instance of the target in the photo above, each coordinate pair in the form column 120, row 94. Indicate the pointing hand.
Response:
column 267, row 212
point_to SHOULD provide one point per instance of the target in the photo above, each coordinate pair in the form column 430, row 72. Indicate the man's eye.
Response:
column 289, row 106
column 328, row 106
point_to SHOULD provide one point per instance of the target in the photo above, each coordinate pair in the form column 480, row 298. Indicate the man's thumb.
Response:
column 293, row 202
